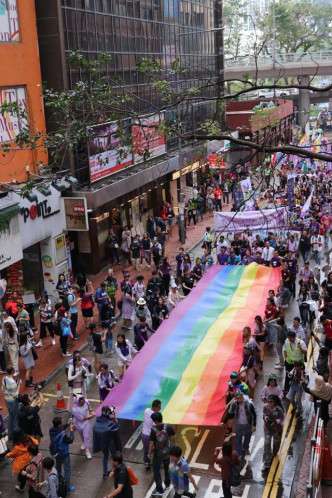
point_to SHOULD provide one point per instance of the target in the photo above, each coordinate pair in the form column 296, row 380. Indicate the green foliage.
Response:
column 6, row 215
column 301, row 26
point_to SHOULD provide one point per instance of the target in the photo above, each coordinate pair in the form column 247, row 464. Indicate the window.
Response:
column 11, row 125
column 9, row 27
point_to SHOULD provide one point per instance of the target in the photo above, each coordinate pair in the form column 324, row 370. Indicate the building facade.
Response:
column 20, row 81
column 130, row 30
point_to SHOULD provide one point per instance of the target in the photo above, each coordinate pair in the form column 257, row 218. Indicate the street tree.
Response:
column 297, row 26
column 99, row 97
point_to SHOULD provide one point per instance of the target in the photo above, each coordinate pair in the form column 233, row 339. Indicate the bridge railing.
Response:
column 280, row 59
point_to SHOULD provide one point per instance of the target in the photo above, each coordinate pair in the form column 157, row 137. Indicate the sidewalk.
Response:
column 50, row 359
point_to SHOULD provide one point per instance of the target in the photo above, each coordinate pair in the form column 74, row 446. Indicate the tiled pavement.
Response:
column 50, row 357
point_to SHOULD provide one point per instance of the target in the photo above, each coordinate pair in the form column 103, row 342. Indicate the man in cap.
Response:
column 232, row 259
column 243, row 410
column 305, row 273
column 126, row 280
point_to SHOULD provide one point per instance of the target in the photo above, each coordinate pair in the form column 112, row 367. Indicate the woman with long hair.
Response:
column 259, row 332
column 271, row 388
column 11, row 338
column 27, row 357
column 63, row 286
column 77, row 375
column 227, row 459
column 124, row 349
column 20, row 452
column 160, row 313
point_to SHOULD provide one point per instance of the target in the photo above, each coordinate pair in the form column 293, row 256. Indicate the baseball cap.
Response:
column 238, row 393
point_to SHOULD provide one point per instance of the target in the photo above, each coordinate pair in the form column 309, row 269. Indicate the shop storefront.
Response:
column 128, row 201
column 43, row 243
column 11, row 277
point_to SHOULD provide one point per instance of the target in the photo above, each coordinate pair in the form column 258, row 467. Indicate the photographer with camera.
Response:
column 59, row 448
column 28, row 415
column 273, row 415
column 106, row 436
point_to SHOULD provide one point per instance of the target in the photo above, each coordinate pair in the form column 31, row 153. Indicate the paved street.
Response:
column 197, row 444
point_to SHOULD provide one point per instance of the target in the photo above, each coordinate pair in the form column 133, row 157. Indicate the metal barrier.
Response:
column 316, row 457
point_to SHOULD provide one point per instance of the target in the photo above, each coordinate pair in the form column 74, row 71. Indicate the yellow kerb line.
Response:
column 54, row 396
column 273, row 477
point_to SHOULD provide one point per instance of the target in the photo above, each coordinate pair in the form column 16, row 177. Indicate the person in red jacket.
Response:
column 226, row 458
column 217, row 198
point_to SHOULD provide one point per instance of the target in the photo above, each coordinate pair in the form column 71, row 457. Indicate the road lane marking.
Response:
column 135, row 435
column 275, row 488
column 192, row 463
column 185, row 440
column 167, row 493
column 277, row 467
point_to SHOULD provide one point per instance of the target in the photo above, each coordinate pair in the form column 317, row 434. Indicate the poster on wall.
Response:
column 11, row 125
column 147, row 137
column 9, row 26
column 76, row 216
column 104, row 159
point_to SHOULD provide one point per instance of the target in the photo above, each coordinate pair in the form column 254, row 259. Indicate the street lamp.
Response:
column 181, row 220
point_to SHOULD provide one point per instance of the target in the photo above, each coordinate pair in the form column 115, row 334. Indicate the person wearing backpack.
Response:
column 52, row 479
column 122, row 486
column 73, row 301
column 33, row 473
column 273, row 416
column 95, row 345
column 61, row 327
column 161, row 440
column 59, row 449
column 180, row 474
column 229, row 461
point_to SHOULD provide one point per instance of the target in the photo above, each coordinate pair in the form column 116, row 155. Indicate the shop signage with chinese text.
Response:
column 76, row 216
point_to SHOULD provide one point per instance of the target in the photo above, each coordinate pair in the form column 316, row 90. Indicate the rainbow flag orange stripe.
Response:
column 187, row 362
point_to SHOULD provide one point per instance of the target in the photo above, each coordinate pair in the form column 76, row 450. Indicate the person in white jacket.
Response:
column 267, row 253
column 124, row 349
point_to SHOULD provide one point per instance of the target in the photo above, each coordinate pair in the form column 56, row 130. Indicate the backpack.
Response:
column 162, row 443
column 57, row 447
column 234, row 477
column 91, row 343
column 133, row 479
column 155, row 251
column 57, row 327
column 62, row 485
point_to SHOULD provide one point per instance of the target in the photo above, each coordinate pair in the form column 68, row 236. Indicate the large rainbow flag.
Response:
column 187, row 362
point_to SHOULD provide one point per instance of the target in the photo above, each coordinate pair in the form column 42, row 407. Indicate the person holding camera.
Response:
column 106, row 436
column 273, row 416
column 11, row 388
column 59, row 448
column 28, row 415
column 77, row 375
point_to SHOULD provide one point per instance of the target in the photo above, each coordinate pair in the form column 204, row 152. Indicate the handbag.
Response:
column 3, row 446
column 34, row 353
